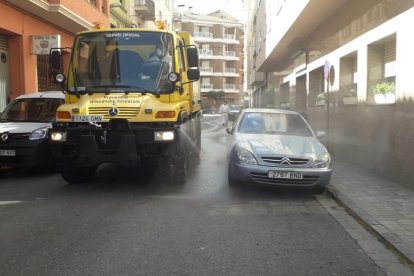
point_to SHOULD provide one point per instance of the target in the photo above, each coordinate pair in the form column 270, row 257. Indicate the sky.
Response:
column 233, row 7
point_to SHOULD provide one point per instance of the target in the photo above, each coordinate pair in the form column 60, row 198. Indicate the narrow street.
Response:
column 123, row 224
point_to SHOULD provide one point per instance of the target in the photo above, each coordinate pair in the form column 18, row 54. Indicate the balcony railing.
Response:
column 206, row 52
column 230, row 53
column 203, row 34
column 207, row 85
column 145, row 9
column 229, row 70
column 206, row 69
column 229, row 36
column 229, row 86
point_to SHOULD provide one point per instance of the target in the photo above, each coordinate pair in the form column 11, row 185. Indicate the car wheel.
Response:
column 78, row 175
column 230, row 178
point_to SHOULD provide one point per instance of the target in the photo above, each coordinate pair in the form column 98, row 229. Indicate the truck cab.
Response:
column 132, row 98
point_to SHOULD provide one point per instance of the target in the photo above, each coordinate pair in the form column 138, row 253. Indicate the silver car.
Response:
column 276, row 147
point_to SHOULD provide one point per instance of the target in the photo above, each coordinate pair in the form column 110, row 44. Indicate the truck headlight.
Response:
column 58, row 136
column 39, row 133
column 164, row 135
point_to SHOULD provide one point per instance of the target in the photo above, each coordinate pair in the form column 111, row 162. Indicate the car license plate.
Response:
column 7, row 153
column 285, row 175
column 87, row 118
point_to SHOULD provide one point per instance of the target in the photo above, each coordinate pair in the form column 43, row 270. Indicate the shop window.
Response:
column 382, row 71
column 348, row 80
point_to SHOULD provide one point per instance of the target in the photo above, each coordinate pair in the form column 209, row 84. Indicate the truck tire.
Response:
column 175, row 169
column 78, row 175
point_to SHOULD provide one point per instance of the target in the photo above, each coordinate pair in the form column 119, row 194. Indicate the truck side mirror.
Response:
column 55, row 60
column 193, row 74
column 192, row 56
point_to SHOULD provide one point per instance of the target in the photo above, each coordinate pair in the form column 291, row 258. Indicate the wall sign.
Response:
column 41, row 44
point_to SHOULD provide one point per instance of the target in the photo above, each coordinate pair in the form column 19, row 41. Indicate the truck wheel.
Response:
column 78, row 175
column 176, row 169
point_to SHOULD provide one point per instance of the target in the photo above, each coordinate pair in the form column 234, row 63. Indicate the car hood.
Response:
column 21, row 127
column 263, row 144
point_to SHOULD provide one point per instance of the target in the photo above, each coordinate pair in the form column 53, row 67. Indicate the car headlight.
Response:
column 322, row 161
column 58, row 136
column 39, row 133
column 246, row 156
column 164, row 135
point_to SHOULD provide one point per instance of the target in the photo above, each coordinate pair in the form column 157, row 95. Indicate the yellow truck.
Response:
column 132, row 98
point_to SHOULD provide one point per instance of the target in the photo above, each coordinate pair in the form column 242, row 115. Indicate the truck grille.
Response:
column 124, row 112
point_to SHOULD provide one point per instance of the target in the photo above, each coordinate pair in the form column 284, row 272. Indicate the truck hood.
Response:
column 21, row 127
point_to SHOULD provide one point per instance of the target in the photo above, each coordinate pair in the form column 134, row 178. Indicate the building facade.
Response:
column 220, row 39
column 346, row 64
column 27, row 31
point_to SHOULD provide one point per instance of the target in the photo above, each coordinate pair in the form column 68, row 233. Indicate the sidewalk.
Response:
column 386, row 207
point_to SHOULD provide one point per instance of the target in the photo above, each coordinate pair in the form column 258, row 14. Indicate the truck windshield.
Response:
column 122, row 61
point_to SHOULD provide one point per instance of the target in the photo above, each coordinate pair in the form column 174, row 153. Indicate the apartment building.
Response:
column 28, row 29
column 220, row 39
column 346, row 64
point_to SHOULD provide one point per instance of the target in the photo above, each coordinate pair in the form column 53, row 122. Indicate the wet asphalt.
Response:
column 124, row 223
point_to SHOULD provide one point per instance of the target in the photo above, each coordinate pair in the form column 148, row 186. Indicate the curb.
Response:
column 390, row 240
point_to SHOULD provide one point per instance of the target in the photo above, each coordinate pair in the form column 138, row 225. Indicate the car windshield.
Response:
column 274, row 123
column 122, row 61
column 31, row 110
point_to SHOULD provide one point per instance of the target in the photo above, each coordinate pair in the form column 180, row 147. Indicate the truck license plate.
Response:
column 87, row 118
column 285, row 175
column 7, row 153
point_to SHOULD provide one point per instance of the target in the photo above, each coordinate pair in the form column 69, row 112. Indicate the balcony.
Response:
column 230, row 72
column 205, row 53
column 203, row 36
column 229, row 86
column 256, row 78
column 145, row 9
column 230, row 55
column 206, row 87
column 206, row 71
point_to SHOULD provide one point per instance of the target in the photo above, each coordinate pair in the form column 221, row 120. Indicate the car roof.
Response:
column 45, row 94
column 269, row 110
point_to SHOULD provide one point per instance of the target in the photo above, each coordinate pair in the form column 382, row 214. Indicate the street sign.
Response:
column 326, row 70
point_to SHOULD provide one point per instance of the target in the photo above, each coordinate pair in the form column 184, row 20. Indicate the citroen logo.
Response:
column 285, row 160
column 113, row 111
column 4, row 137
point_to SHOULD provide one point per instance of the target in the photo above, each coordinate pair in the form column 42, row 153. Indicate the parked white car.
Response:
column 24, row 128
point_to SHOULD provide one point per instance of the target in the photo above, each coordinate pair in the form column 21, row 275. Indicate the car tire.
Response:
column 78, row 175
column 231, row 180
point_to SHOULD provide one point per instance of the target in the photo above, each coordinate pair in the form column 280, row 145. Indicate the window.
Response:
column 348, row 79
column 382, row 71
